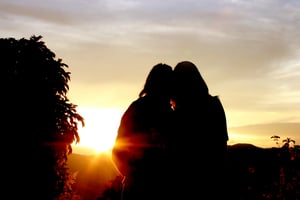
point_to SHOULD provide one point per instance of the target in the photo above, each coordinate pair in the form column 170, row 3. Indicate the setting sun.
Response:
column 100, row 130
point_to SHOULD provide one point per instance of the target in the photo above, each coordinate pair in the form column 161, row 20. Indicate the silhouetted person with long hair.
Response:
column 140, row 150
column 200, row 140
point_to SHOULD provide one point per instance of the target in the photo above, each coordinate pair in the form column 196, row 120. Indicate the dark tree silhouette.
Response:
column 39, row 124
column 276, row 139
column 288, row 141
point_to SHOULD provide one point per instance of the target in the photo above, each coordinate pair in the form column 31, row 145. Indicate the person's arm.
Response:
column 120, row 151
column 222, row 121
column 129, row 144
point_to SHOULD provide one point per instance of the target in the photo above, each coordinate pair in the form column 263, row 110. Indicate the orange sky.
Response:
column 247, row 51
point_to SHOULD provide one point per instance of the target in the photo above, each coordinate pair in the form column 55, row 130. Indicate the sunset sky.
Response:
column 248, row 51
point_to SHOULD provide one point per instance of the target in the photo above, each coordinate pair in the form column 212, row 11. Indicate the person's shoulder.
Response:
column 138, row 105
column 142, row 101
column 215, row 100
column 139, row 101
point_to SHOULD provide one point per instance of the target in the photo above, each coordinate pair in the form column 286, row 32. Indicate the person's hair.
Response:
column 188, row 81
column 159, row 81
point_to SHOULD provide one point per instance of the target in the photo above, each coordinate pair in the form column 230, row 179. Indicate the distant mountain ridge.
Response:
column 243, row 145
column 260, row 134
column 246, row 163
column 94, row 172
column 269, row 129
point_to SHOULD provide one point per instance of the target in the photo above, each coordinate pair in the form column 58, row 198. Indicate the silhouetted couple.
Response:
column 172, row 140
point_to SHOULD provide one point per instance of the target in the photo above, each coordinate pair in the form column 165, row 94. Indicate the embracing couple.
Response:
column 172, row 140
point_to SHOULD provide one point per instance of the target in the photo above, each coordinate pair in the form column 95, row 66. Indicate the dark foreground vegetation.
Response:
column 258, row 173
column 253, row 174
column 39, row 123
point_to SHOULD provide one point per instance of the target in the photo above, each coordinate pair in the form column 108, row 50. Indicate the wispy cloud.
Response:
column 248, row 51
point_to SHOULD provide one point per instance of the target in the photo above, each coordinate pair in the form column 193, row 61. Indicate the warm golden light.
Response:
column 100, row 130
column 257, row 140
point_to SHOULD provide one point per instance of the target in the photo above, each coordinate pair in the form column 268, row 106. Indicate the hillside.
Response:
column 260, row 134
column 263, row 173
column 252, row 172
column 93, row 174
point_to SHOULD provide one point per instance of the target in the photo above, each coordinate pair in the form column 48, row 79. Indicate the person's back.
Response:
column 140, row 149
column 200, row 142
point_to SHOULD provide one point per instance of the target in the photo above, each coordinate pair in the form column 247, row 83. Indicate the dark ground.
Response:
column 258, row 173
column 253, row 174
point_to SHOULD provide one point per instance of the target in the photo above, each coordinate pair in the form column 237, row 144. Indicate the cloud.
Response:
column 247, row 51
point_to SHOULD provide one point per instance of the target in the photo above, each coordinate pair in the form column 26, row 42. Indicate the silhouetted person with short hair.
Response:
column 140, row 151
column 200, row 141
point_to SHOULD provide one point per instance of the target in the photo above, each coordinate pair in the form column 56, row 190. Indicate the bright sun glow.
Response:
column 100, row 130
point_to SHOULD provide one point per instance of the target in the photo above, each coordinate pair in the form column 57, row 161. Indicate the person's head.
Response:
column 159, row 81
column 188, row 82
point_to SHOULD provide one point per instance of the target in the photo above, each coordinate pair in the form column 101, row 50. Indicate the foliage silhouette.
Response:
column 263, row 173
column 39, row 121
